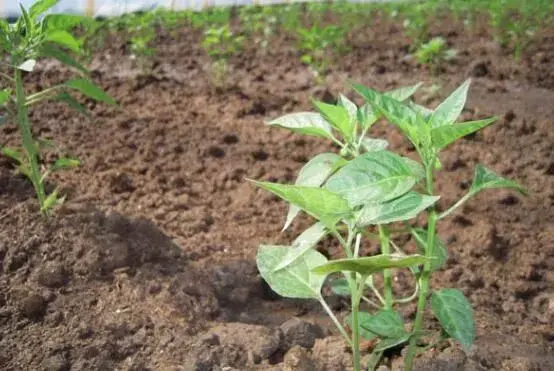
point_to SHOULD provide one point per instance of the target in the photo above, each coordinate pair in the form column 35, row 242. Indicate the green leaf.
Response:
column 391, row 343
column 395, row 112
column 65, row 163
column 320, row 203
column 440, row 253
column 362, row 317
column 28, row 65
column 40, row 7
column 86, row 87
column 486, row 179
column 51, row 51
column 338, row 117
column 366, row 116
column 307, row 240
column 386, row 324
column 63, row 38
column 25, row 19
column 5, row 95
column 52, row 200
column 14, row 154
column 371, row 264
column 455, row 315
column 297, row 279
column 450, row 109
column 349, row 106
column 73, row 103
column 442, row 136
column 405, row 207
column 376, row 176
column 403, row 93
column 424, row 112
column 313, row 174
column 374, row 144
column 307, row 123
column 340, row 287
column 64, row 21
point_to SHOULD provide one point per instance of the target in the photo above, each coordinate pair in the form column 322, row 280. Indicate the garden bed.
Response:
column 149, row 264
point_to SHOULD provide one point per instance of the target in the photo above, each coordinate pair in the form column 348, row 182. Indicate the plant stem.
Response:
column 28, row 141
column 335, row 321
column 455, row 206
column 357, row 292
column 425, row 275
column 385, row 249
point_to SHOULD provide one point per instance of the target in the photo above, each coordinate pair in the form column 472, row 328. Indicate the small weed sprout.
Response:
column 434, row 53
column 221, row 44
column 319, row 46
column 366, row 191
column 29, row 39
column 259, row 23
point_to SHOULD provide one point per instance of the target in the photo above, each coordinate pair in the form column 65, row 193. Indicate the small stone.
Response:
column 298, row 359
column 34, row 307
column 299, row 332
column 210, row 339
column 53, row 275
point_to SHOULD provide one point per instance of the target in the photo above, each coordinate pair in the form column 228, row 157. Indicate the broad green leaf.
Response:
column 5, row 95
column 307, row 240
column 350, row 107
column 86, row 87
column 338, row 117
column 73, row 103
column 366, row 116
column 374, row 144
column 297, row 279
column 376, row 176
column 450, row 109
column 28, row 65
column 395, row 112
column 485, row 179
column 51, row 51
column 386, row 324
column 405, row 207
column 340, row 286
column 63, row 38
column 403, row 93
column 318, row 202
column 362, row 317
column 416, row 168
column 65, row 163
column 307, row 123
column 455, row 315
column 391, row 343
column 63, row 21
column 424, row 112
column 313, row 174
column 371, row 264
column 440, row 253
column 442, row 136
column 40, row 7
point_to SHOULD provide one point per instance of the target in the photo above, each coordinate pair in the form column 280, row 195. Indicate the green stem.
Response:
column 335, row 321
column 425, row 275
column 41, row 95
column 28, row 141
column 357, row 292
column 455, row 206
column 385, row 249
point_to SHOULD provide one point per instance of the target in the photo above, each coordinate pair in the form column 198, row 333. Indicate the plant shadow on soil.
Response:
column 150, row 263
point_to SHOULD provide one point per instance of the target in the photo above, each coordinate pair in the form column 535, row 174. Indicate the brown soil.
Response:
column 149, row 265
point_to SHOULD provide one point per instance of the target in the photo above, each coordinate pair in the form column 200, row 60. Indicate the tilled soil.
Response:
column 149, row 265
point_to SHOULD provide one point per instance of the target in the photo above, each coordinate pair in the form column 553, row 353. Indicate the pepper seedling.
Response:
column 33, row 37
column 361, row 192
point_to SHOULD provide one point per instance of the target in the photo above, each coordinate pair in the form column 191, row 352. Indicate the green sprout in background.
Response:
column 434, row 53
column 31, row 38
column 366, row 191
column 220, row 43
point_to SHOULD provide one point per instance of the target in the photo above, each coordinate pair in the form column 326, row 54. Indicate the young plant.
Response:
column 221, row 44
column 434, row 53
column 142, row 33
column 416, row 24
column 319, row 45
column 362, row 192
column 30, row 38
column 259, row 23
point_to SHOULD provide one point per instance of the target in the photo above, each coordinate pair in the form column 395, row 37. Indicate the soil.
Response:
column 149, row 264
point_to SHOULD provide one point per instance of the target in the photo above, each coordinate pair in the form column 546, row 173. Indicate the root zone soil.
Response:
column 149, row 265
